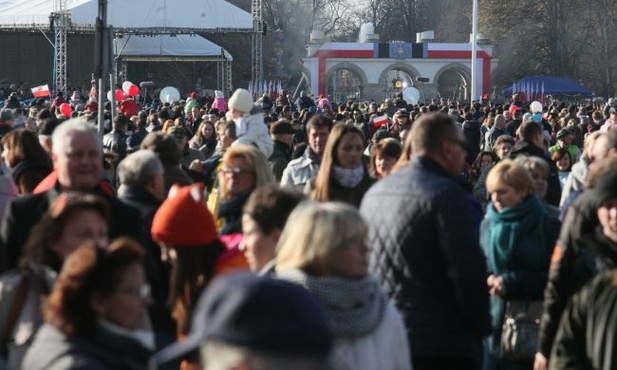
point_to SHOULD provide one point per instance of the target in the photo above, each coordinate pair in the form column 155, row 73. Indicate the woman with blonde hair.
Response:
column 517, row 235
column 323, row 248
column 244, row 168
column 342, row 175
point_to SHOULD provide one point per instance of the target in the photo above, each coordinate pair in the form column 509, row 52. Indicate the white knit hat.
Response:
column 241, row 100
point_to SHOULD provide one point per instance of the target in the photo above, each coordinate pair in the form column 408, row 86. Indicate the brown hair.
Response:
column 21, row 146
column 388, row 147
column 430, row 131
column 324, row 176
column 51, row 227
column 87, row 271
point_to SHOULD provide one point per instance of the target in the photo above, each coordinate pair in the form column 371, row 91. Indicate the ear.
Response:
column 98, row 302
column 275, row 235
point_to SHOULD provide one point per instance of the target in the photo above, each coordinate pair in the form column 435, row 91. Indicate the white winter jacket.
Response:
column 251, row 130
column 386, row 348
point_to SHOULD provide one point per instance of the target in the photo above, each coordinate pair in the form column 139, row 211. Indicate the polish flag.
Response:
column 380, row 121
column 40, row 91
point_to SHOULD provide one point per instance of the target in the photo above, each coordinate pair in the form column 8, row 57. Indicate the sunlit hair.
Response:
column 512, row 174
column 51, row 226
column 256, row 161
column 534, row 164
column 430, row 131
column 324, row 176
column 88, row 271
column 314, row 231
column 388, row 147
column 561, row 153
column 67, row 129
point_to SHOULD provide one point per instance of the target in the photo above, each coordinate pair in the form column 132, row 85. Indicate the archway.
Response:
column 397, row 77
column 345, row 81
column 453, row 82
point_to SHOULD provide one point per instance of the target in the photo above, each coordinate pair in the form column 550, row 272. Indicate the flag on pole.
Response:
column 40, row 91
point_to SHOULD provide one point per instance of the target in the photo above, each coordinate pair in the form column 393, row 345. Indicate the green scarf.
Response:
column 515, row 234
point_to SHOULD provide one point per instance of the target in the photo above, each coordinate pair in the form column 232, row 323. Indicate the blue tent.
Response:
column 548, row 85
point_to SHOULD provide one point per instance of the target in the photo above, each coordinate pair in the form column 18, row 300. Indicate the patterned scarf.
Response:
column 348, row 177
column 353, row 307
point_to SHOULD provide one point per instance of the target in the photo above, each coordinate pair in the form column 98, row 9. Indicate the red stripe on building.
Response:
column 455, row 54
column 324, row 54
column 486, row 76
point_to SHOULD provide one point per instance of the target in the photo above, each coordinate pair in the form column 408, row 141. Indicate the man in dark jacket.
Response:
column 471, row 130
column 78, row 159
column 531, row 144
column 425, row 249
column 581, row 252
column 282, row 134
column 586, row 335
column 142, row 186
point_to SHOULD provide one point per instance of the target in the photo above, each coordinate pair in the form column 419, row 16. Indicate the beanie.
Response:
column 183, row 219
column 194, row 95
column 241, row 100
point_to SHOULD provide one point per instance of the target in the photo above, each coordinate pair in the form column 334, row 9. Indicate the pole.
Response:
column 102, row 60
column 474, row 52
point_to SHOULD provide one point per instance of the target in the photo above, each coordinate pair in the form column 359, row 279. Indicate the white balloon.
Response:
column 126, row 85
column 169, row 94
column 109, row 95
column 411, row 95
column 536, row 107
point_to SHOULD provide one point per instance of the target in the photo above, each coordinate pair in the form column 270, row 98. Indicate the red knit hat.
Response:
column 183, row 219
column 194, row 95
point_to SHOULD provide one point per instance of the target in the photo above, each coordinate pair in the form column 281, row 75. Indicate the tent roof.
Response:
column 132, row 14
column 168, row 48
column 552, row 85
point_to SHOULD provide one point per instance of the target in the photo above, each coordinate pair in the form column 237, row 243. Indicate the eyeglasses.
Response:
column 142, row 292
column 235, row 170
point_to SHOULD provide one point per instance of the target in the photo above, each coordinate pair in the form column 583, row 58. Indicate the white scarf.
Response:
column 348, row 177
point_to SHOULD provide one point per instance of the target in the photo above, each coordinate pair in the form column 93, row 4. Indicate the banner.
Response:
column 40, row 91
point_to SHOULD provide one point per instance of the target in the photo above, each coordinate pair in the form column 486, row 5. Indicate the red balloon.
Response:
column 65, row 109
column 119, row 95
column 133, row 90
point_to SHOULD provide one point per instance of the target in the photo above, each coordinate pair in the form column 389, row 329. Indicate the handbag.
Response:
column 519, row 335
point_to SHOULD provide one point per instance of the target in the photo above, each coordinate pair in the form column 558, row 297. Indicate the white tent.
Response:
column 132, row 14
column 168, row 48
column 175, row 48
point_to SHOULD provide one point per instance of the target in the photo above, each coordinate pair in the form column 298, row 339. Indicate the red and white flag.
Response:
column 40, row 91
column 380, row 120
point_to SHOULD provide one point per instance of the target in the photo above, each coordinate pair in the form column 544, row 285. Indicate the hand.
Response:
column 540, row 362
column 196, row 165
column 495, row 285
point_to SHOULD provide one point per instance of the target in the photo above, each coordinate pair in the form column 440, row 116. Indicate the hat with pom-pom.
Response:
column 183, row 219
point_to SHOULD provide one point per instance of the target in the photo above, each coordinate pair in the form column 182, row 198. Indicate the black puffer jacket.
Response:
column 586, row 337
column 581, row 253
column 426, row 254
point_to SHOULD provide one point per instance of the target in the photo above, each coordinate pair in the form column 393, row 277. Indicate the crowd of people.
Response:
column 308, row 234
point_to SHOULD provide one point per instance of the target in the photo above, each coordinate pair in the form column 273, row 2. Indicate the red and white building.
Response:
column 373, row 70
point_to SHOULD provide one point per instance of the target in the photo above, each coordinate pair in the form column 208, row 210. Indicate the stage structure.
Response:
column 135, row 17
column 371, row 70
